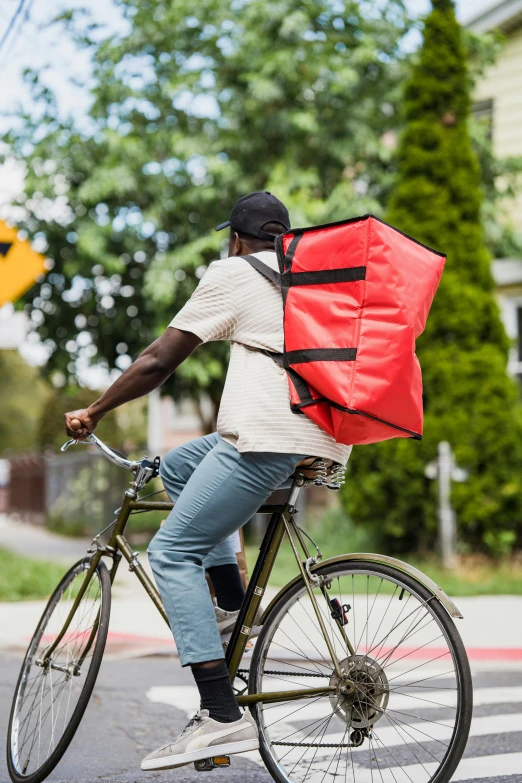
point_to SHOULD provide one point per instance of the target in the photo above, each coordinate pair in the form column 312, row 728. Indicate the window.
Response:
column 511, row 313
column 482, row 112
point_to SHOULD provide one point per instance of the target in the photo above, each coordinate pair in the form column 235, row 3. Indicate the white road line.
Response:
column 186, row 698
column 183, row 697
column 481, row 696
column 468, row 769
column 423, row 732
column 412, row 704
column 489, row 766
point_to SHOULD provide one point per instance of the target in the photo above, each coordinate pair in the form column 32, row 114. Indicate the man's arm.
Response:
column 149, row 371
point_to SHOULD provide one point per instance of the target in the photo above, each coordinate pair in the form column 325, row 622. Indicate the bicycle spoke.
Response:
column 267, row 726
column 50, row 686
column 301, row 651
column 402, row 670
column 316, row 626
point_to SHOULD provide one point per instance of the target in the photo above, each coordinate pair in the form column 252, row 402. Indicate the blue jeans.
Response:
column 216, row 490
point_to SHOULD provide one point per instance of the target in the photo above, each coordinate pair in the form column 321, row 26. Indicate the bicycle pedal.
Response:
column 215, row 762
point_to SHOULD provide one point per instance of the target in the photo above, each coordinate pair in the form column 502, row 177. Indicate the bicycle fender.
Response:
column 393, row 562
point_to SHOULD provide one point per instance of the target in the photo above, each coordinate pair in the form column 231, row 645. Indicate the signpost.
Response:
column 20, row 265
column 445, row 470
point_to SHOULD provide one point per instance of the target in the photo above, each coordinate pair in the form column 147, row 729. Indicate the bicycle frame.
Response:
column 282, row 522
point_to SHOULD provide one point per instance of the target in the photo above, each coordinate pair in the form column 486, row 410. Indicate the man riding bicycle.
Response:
column 219, row 481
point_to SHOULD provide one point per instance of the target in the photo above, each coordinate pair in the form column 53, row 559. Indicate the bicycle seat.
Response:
column 321, row 472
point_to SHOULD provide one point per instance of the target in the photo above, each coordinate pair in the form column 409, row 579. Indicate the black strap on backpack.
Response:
column 264, row 269
column 279, row 358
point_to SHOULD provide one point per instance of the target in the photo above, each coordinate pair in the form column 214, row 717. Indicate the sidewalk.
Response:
column 136, row 627
column 491, row 628
column 34, row 541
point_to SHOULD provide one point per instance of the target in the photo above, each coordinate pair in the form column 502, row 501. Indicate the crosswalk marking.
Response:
column 423, row 732
column 489, row 766
column 469, row 769
column 186, row 698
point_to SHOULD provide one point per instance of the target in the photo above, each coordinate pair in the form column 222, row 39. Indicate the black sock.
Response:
column 216, row 692
column 228, row 587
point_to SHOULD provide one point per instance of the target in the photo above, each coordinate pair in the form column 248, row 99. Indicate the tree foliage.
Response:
column 22, row 394
column 50, row 431
column 469, row 399
column 193, row 106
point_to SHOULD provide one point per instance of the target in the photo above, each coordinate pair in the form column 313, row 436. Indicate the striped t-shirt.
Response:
column 234, row 302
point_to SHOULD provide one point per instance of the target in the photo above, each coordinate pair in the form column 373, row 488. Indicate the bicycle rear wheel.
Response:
column 51, row 697
column 409, row 717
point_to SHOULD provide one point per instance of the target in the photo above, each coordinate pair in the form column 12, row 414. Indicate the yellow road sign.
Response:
column 20, row 265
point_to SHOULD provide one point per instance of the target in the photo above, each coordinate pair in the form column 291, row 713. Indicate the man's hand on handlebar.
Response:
column 79, row 424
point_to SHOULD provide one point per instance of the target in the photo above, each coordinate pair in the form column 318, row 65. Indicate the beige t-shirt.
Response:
column 234, row 302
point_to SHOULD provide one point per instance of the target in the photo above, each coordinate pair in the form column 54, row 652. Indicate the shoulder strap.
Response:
column 263, row 269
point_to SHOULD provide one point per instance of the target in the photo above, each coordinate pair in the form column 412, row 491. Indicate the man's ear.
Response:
column 234, row 244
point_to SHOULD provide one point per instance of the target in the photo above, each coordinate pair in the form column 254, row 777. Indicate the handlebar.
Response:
column 107, row 452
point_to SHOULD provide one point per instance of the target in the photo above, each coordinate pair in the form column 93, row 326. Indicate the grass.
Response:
column 474, row 574
column 24, row 579
column 141, row 527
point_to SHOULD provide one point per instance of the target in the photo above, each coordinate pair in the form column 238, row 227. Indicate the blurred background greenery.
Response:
column 340, row 108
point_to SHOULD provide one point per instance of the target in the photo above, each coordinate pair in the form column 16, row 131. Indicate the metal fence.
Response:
column 82, row 490
column 74, row 493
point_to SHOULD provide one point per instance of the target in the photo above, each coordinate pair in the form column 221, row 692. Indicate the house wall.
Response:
column 502, row 83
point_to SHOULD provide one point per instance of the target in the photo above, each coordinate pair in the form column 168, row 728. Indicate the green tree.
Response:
column 469, row 399
column 50, row 431
column 22, row 395
column 193, row 106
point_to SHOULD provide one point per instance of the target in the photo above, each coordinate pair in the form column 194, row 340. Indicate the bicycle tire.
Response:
column 99, row 638
column 457, row 745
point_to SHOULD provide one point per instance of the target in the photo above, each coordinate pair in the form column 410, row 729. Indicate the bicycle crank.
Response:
column 365, row 703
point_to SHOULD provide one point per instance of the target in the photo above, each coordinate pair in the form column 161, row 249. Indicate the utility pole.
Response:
column 445, row 470
column 154, row 424
column 447, row 525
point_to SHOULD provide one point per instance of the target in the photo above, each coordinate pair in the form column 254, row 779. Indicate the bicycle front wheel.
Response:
column 52, row 693
column 408, row 718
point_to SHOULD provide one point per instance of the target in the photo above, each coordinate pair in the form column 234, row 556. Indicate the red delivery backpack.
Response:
column 356, row 295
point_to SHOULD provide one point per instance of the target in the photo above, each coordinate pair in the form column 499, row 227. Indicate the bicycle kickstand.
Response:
column 215, row 762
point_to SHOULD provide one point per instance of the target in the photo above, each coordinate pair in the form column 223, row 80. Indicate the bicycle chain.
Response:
column 294, row 674
column 316, row 744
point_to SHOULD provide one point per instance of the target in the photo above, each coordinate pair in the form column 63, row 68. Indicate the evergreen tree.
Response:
column 469, row 399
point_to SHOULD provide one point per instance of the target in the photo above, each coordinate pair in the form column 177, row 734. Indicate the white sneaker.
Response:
column 227, row 620
column 204, row 738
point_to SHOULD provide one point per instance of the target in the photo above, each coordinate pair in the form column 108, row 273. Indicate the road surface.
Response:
column 132, row 713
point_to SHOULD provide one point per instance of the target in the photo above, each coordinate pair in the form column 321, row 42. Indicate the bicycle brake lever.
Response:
column 73, row 442
column 66, row 445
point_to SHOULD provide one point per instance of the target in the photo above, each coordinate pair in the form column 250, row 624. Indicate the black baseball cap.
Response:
column 250, row 213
